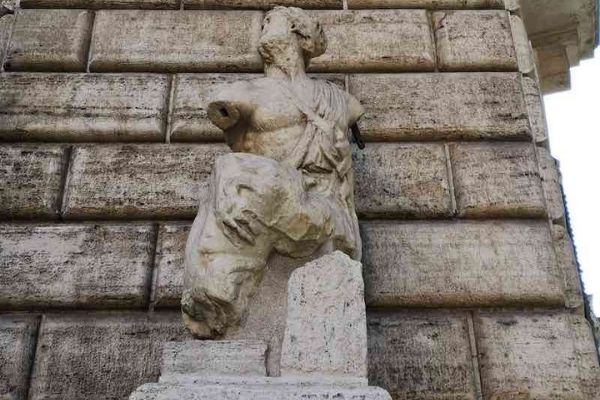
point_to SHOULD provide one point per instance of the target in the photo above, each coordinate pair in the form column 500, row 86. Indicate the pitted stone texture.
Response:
column 6, row 23
column 170, row 250
column 83, row 107
column 535, row 107
column 421, row 355
column 551, row 184
column 326, row 330
column 474, row 41
column 201, row 358
column 101, row 4
column 460, row 264
column 368, row 41
column 193, row 92
column 138, row 181
column 431, row 4
column 535, row 356
column 409, row 180
column 97, row 266
column 17, row 345
column 432, row 106
column 50, row 40
column 565, row 254
column 262, row 4
column 175, row 41
column 258, row 392
column 497, row 180
column 30, row 178
column 102, row 356
column 523, row 47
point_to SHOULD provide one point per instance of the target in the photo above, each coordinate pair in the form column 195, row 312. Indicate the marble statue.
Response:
column 288, row 185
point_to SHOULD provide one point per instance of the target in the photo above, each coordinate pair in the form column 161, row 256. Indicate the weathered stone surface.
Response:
column 474, row 41
column 17, row 345
column 261, row 4
column 193, row 92
column 535, row 108
column 99, row 266
column 534, row 355
column 138, row 181
column 497, row 180
column 169, row 264
column 6, row 23
column 433, row 4
column 101, row 4
column 176, row 41
column 460, row 264
column 257, row 392
column 200, row 358
column 432, row 106
column 551, row 185
column 100, row 356
column 523, row 49
column 83, row 107
column 569, row 267
column 402, row 180
column 30, row 178
column 50, row 40
column 367, row 41
column 326, row 327
column 421, row 355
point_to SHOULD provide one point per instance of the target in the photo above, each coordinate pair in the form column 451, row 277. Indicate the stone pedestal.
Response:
column 324, row 353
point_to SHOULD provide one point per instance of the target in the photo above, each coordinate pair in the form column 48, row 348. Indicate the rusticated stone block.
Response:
column 474, row 41
column 6, row 23
column 170, row 250
column 535, row 108
column 138, row 181
column 90, row 266
column 30, row 178
column 523, row 48
column 192, row 92
column 83, row 107
column 402, row 180
column 176, row 41
column 460, row 264
column 102, row 4
column 100, row 356
column 17, row 345
column 421, row 355
column 567, row 262
column 432, row 106
column 551, row 185
column 262, row 4
column 50, row 40
column 431, row 4
column 497, row 180
column 368, row 41
column 529, row 355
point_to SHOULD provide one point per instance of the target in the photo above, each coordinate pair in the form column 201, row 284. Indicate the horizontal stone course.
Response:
column 75, row 266
column 83, row 107
column 138, row 181
column 367, row 40
column 421, row 354
column 261, row 4
column 537, row 355
column 497, row 180
column 171, row 41
column 101, row 4
column 30, row 180
column 460, row 264
column 408, row 180
column 431, row 4
column 49, row 40
column 458, row 106
column 100, row 356
column 424, row 264
column 17, row 346
column 474, row 41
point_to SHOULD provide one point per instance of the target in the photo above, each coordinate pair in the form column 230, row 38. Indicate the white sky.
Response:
column 574, row 125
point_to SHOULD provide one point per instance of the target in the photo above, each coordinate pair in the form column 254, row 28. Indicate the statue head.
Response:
column 286, row 28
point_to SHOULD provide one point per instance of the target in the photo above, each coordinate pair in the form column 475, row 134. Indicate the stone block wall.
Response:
column 471, row 282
